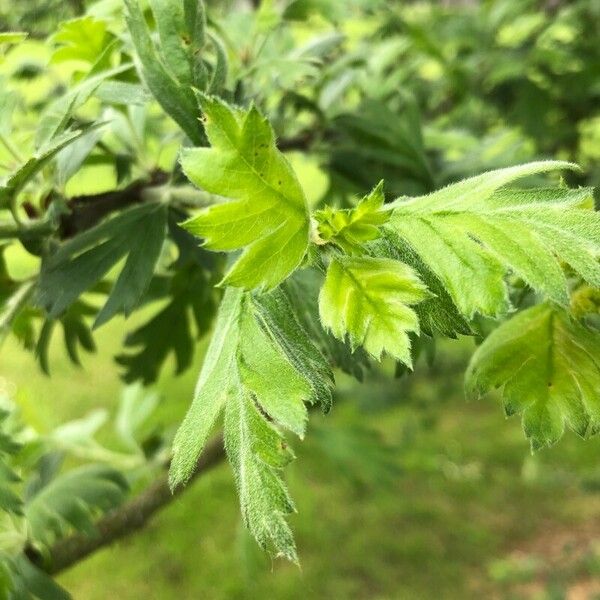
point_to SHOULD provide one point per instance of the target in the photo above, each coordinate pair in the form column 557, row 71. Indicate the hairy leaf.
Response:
column 268, row 216
column 471, row 233
column 547, row 366
column 351, row 228
column 302, row 290
column 437, row 312
column 369, row 300
column 260, row 369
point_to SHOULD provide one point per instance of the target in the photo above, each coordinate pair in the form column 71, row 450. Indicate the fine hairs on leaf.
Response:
column 422, row 264
column 471, row 233
column 546, row 364
column 369, row 300
column 145, row 174
column 260, row 369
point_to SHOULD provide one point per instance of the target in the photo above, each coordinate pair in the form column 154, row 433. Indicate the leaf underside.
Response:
column 547, row 366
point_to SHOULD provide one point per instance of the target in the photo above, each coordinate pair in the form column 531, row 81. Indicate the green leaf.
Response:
column 471, row 233
column 137, row 233
column 18, row 179
column 547, row 366
column 82, row 39
column 259, row 369
column 436, row 313
column 10, row 501
column 257, row 452
column 71, row 500
column 28, row 582
column 166, row 69
column 369, row 300
column 57, row 114
column 302, row 290
column 212, row 389
column 351, row 228
column 269, row 215
column 76, row 333
column 170, row 330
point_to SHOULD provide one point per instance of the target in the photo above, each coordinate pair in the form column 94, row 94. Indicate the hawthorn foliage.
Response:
column 206, row 229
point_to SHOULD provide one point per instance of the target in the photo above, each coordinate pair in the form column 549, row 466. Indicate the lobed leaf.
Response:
column 351, row 228
column 547, row 366
column 471, row 233
column 259, row 370
column 137, row 233
column 268, row 216
column 369, row 300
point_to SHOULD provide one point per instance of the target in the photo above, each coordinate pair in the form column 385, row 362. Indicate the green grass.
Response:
column 423, row 508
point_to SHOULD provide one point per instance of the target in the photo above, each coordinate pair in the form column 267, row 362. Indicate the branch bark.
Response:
column 125, row 520
column 86, row 211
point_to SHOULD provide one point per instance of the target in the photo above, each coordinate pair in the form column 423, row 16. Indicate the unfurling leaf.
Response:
column 351, row 228
column 547, row 366
column 260, row 369
column 369, row 300
column 471, row 233
column 268, row 216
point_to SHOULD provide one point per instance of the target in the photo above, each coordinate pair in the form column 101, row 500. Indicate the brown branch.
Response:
column 86, row 211
column 125, row 520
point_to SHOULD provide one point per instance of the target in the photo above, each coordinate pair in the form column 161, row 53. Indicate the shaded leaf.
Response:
column 547, row 366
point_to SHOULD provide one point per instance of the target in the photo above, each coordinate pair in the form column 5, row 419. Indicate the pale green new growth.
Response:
column 368, row 299
column 471, row 233
column 260, row 368
column 269, row 215
column 351, row 228
column 547, row 366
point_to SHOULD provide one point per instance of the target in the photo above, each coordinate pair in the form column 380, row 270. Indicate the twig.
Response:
column 123, row 521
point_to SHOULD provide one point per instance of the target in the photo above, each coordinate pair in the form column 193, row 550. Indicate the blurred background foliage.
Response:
column 405, row 490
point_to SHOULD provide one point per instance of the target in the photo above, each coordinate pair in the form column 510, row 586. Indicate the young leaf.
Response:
column 268, row 216
column 470, row 233
column 81, row 262
column 302, row 290
column 547, row 366
column 436, row 313
column 256, row 372
column 351, row 228
column 369, row 299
